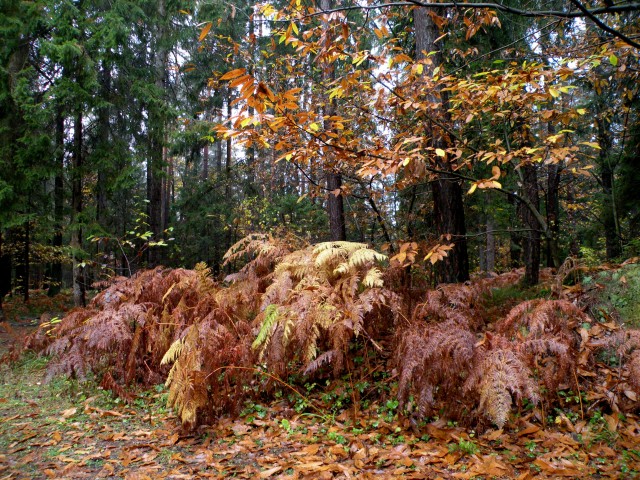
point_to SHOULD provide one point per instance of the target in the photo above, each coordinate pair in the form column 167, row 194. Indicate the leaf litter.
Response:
column 101, row 438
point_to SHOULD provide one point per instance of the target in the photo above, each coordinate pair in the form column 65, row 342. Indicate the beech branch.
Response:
column 628, row 7
column 582, row 12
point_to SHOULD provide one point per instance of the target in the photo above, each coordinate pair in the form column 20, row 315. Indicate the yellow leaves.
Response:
column 417, row 69
column 488, row 183
column 407, row 254
column 337, row 92
column 360, row 57
column 233, row 74
column 555, row 92
column 438, row 253
column 314, row 127
column 592, row 145
column 441, row 153
column 268, row 10
column 205, row 31
column 613, row 60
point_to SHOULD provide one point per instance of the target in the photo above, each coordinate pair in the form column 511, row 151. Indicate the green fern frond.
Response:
column 266, row 329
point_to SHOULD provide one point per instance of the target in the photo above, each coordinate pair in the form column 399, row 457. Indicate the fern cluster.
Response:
column 449, row 357
column 294, row 308
column 127, row 329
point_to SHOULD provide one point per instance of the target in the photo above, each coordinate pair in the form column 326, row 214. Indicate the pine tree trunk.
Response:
column 335, row 208
column 55, row 283
column 205, row 163
column 22, row 267
column 612, row 241
column 76, row 211
column 155, row 164
column 103, row 142
column 447, row 192
column 609, row 214
column 5, row 275
column 490, row 259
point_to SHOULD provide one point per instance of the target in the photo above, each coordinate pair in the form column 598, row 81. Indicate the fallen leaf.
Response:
column 492, row 435
column 70, row 412
column 271, row 471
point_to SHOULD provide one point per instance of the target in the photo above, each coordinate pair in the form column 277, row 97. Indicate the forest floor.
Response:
column 67, row 429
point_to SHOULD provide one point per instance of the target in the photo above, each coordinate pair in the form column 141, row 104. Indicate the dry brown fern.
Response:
column 127, row 328
column 446, row 358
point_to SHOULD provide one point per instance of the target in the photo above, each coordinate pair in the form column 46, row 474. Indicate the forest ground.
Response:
column 67, row 429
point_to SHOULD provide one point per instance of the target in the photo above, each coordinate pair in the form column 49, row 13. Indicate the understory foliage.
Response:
column 294, row 308
column 321, row 298
column 452, row 358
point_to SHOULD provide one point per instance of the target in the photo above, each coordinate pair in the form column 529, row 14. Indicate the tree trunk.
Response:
column 335, row 200
column 553, row 216
column 55, row 283
column 609, row 214
column 22, row 266
column 76, row 211
column 155, row 164
column 5, row 275
column 490, row 258
column 205, row 163
column 531, row 238
column 447, row 192
column 335, row 208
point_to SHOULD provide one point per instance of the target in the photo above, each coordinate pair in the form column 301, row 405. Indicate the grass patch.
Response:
column 509, row 296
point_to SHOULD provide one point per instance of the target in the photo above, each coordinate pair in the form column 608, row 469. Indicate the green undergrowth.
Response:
column 16, row 310
column 503, row 299
column 615, row 293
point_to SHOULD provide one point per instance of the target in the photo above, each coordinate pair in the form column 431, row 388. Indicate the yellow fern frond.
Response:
column 348, row 247
column 373, row 278
column 364, row 256
column 327, row 256
column 188, row 414
column 289, row 325
column 169, row 380
column 342, row 269
column 202, row 269
column 174, row 352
